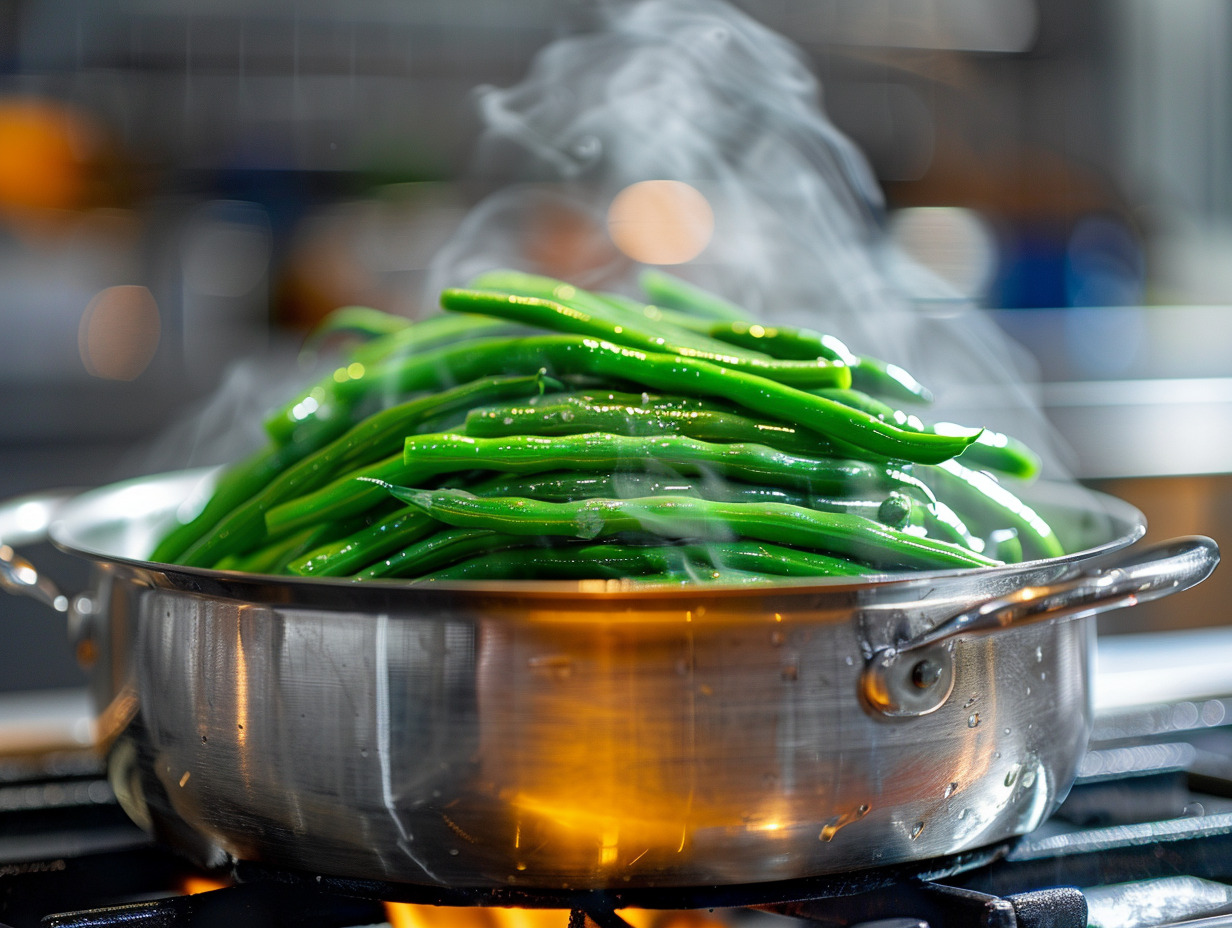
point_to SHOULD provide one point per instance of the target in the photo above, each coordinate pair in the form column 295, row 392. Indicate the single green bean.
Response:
column 570, row 416
column 556, row 317
column 616, row 312
column 360, row 321
column 359, row 549
column 564, row 355
column 990, row 450
column 439, row 550
column 842, row 534
column 429, row 334
column 674, row 293
column 683, row 562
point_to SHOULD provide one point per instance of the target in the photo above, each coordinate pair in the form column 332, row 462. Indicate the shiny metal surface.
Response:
column 572, row 734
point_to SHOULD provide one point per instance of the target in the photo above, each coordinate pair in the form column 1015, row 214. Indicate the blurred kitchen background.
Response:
column 186, row 185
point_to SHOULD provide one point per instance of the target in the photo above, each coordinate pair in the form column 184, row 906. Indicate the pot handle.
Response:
column 26, row 520
column 916, row 677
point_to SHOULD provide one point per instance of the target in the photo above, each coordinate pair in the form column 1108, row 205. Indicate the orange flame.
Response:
column 194, row 885
column 406, row 915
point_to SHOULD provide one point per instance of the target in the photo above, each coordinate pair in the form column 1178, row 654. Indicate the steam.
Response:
column 695, row 91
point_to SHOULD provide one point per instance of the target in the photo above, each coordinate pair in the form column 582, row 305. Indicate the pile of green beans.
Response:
column 538, row 430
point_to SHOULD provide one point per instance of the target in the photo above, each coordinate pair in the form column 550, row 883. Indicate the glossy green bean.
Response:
column 990, row 450
column 616, row 312
column 571, row 416
column 441, row 549
column 556, row 317
column 684, row 517
column 987, row 506
column 360, row 321
column 430, row 334
column 672, row 292
column 356, row 551
column 564, row 355
column 683, row 562
column 563, row 487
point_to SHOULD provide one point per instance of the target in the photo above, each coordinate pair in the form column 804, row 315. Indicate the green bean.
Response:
column 940, row 521
column 275, row 558
column 996, row 451
column 237, row 483
column 674, row 293
column 547, row 314
column 379, row 434
column 598, row 305
column 361, row 321
column 570, row 416
column 987, row 506
column 430, row 334
column 427, row 456
column 991, row 450
column 359, row 549
column 440, row 550
column 613, row 561
column 564, row 487
column 563, row 355
column 684, row 517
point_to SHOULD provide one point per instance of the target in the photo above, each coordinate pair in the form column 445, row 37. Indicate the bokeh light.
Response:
column 119, row 332
column 660, row 222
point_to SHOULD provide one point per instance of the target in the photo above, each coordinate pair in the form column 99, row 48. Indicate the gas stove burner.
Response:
column 748, row 895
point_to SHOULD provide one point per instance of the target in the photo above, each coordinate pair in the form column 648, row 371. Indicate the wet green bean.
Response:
column 556, row 317
column 564, row 355
column 841, row 534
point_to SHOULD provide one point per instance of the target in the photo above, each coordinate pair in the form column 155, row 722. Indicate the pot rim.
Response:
column 92, row 524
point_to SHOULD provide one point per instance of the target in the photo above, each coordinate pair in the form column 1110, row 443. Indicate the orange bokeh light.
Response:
column 660, row 222
column 119, row 332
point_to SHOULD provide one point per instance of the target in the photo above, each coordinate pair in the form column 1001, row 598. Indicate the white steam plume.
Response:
column 696, row 91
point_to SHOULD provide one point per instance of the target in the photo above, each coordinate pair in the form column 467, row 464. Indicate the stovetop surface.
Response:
column 1143, row 840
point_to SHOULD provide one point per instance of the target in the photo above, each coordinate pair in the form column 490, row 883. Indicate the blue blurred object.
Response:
column 1097, row 261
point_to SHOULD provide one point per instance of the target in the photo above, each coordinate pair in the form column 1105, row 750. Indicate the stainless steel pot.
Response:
column 576, row 735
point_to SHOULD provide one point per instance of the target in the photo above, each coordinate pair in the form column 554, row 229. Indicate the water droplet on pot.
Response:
column 1039, row 655
column 832, row 827
column 973, row 720
column 916, row 829
column 1028, row 691
column 963, row 813
column 1011, row 776
column 1008, row 730
column 949, row 791
column 453, row 852
column 969, row 703
column 849, row 660
column 1028, row 779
